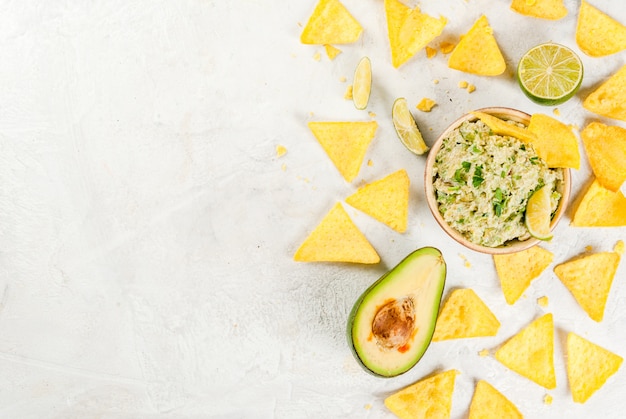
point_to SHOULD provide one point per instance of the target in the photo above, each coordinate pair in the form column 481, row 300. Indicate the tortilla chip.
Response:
column 605, row 146
column 426, row 104
column 488, row 402
column 336, row 239
column 477, row 52
column 345, row 143
column 502, row 127
column 517, row 270
column 556, row 143
column 589, row 279
column 386, row 199
column 544, row 9
column 530, row 353
column 428, row 398
column 465, row 315
column 332, row 51
column 600, row 207
column 409, row 30
column 598, row 34
column 609, row 99
column 588, row 366
column 331, row 23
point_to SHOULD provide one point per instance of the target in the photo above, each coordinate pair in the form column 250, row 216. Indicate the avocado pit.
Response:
column 394, row 323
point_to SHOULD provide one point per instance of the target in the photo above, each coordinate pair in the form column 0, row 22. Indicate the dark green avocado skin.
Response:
column 436, row 303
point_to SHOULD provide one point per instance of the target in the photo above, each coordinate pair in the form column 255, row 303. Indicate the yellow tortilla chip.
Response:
column 598, row 34
column 428, row 398
column 386, row 199
column 600, row 207
column 502, row 127
column 530, row 353
column 331, row 23
column 477, row 52
column 426, row 104
column 609, row 99
column 345, row 143
column 589, row 279
column 409, row 30
column 488, row 402
column 544, row 9
column 336, row 239
column 332, row 51
column 517, row 270
column 556, row 143
column 588, row 366
column 465, row 315
column 605, row 146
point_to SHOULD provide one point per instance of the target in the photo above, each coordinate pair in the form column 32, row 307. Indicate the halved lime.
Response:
column 406, row 127
column 550, row 74
column 362, row 84
column 538, row 214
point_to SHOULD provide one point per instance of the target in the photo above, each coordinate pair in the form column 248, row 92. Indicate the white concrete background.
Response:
column 147, row 226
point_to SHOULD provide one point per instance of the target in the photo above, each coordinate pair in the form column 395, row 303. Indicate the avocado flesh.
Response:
column 392, row 322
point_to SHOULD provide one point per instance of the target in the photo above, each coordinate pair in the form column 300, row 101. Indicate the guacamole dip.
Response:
column 482, row 183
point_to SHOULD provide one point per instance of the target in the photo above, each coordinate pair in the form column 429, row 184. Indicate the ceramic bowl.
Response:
column 514, row 245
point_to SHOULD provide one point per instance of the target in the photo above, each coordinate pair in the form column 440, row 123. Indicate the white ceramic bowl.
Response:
column 513, row 245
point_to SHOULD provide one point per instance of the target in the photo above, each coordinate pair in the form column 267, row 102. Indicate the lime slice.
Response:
column 550, row 74
column 406, row 127
column 362, row 85
column 538, row 214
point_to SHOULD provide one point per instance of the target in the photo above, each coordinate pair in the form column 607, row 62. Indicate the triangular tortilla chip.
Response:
column 409, row 30
column 517, row 270
column 331, row 23
column 530, row 353
column 332, row 51
column 465, row 315
column 336, row 239
column 501, row 127
column 429, row 398
column 386, row 199
column 556, row 143
column 588, row 366
column 477, row 52
column 544, row 9
column 600, row 207
column 488, row 402
column 598, row 34
column 605, row 146
column 589, row 279
column 345, row 143
column 609, row 99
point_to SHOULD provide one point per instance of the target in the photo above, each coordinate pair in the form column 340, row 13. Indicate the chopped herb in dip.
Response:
column 482, row 183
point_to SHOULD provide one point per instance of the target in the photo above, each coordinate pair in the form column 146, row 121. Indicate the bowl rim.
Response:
column 512, row 246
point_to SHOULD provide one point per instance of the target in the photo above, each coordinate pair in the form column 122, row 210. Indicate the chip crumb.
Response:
column 370, row 163
column 446, row 47
column 462, row 84
column 556, row 111
column 332, row 51
column 619, row 247
column 280, row 150
column 348, row 94
column 317, row 56
column 343, row 79
column 372, row 114
column 466, row 262
column 547, row 399
column 368, row 406
column 426, row 105
column 588, row 248
column 470, row 88
column 542, row 301
column 430, row 52
column 283, row 167
column 484, row 352
column 436, row 81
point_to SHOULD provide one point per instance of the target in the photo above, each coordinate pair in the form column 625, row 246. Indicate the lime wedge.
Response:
column 550, row 74
column 362, row 85
column 538, row 214
column 406, row 127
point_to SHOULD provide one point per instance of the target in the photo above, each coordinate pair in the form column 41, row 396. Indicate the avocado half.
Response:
column 392, row 322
